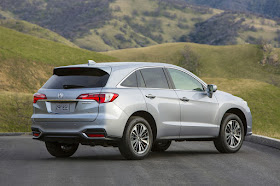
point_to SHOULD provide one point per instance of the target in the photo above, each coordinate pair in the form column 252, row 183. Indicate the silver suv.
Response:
column 138, row 107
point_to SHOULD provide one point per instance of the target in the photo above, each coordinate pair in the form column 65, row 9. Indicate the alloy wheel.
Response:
column 233, row 133
column 139, row 138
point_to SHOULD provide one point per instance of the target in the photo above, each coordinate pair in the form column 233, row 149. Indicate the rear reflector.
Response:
column 36, row 134
column 100, row 98
column 38, row 96
column 95, row 135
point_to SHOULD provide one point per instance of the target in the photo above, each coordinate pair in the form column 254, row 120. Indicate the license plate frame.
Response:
column 62, row 108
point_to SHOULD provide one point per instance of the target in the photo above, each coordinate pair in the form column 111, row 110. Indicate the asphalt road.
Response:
column 24, row 161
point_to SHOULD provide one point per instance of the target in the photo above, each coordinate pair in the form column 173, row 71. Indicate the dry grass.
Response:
column 263, row 100
column 15, row 111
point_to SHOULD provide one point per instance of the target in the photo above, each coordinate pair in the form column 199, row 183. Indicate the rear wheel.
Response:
column 61, row 150
column 137, row 139
column 231, row 134
column 161, row 146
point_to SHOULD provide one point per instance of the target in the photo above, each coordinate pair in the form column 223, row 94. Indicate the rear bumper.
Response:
column 110, row 119
column 77, row 137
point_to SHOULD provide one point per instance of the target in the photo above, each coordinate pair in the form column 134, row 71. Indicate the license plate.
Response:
column 62, row 107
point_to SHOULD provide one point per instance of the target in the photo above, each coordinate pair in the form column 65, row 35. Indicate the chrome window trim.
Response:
column 204, row 85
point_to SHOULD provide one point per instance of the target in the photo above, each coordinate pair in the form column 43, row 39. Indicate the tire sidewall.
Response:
column 226, row 119
column 126, row 138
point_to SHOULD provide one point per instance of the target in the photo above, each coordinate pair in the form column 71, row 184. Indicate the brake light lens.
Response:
column 38, row 96
column 100, row 98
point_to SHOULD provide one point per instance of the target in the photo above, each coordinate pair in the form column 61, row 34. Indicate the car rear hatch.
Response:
column 62, row 96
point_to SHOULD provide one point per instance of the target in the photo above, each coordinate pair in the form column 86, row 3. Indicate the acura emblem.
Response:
column 60, row 95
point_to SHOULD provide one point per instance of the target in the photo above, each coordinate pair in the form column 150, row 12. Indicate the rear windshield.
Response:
column 69, row 78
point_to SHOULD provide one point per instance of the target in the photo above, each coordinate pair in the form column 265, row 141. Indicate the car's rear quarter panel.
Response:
column 129, row 101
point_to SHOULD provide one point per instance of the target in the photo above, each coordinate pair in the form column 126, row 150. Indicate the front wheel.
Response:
column 61, row 150
column 231, row 134
column 137, row 139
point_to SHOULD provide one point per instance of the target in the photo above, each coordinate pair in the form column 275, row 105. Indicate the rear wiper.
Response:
column 72, row 86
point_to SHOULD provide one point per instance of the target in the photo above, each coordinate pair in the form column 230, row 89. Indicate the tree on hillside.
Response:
column 190, row 60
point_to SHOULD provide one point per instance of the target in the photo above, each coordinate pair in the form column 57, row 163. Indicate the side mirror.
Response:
column 211, row 89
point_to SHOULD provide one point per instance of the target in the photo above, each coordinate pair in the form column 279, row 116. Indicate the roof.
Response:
column 122, row 64
column 120, row 70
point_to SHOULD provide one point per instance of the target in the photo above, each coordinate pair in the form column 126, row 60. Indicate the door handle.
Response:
column 184, row 99
column 150, row 96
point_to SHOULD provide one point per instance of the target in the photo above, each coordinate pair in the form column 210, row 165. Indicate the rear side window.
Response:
column 69, row 78
column 154, row 78
column 130, row 81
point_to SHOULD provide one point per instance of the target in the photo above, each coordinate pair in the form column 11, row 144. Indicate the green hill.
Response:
column 230, row 28
column 26, row 61
column 103, row 25
column 236, row 69
column 269, row 8
column 34, row 30
column 235, row 61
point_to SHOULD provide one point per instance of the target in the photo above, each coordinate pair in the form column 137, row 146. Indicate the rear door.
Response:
column 198, row 111
column 62, row 91
column 162, row 102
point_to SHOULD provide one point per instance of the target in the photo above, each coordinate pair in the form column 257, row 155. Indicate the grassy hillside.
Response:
column 263, row 100
column 15, row 111
column 235, row 69
column 269, row 8
column 235, row 61
column 231, row 28
column 144, row 23
column 26, row 61
column 34, row 30
column 103, row 25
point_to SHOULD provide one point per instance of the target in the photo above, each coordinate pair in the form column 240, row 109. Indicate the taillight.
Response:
column 100, row 98
column 38, row 96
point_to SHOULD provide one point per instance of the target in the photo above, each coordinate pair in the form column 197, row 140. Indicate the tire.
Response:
column 231, row 135
column 60, row 150
column 129, row 145
column 161, row 146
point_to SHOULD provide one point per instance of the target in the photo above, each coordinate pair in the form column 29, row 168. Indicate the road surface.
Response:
column 24, row 161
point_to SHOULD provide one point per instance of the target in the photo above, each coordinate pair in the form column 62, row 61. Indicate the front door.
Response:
column 198, row 111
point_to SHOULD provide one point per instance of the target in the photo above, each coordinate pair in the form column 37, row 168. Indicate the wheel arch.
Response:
column 240, row 114
column 147, row 116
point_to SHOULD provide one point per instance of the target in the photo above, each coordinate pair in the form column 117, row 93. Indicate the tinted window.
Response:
column 184, row 81
column 130, row 81
column 154, row 78
column 66, row 78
